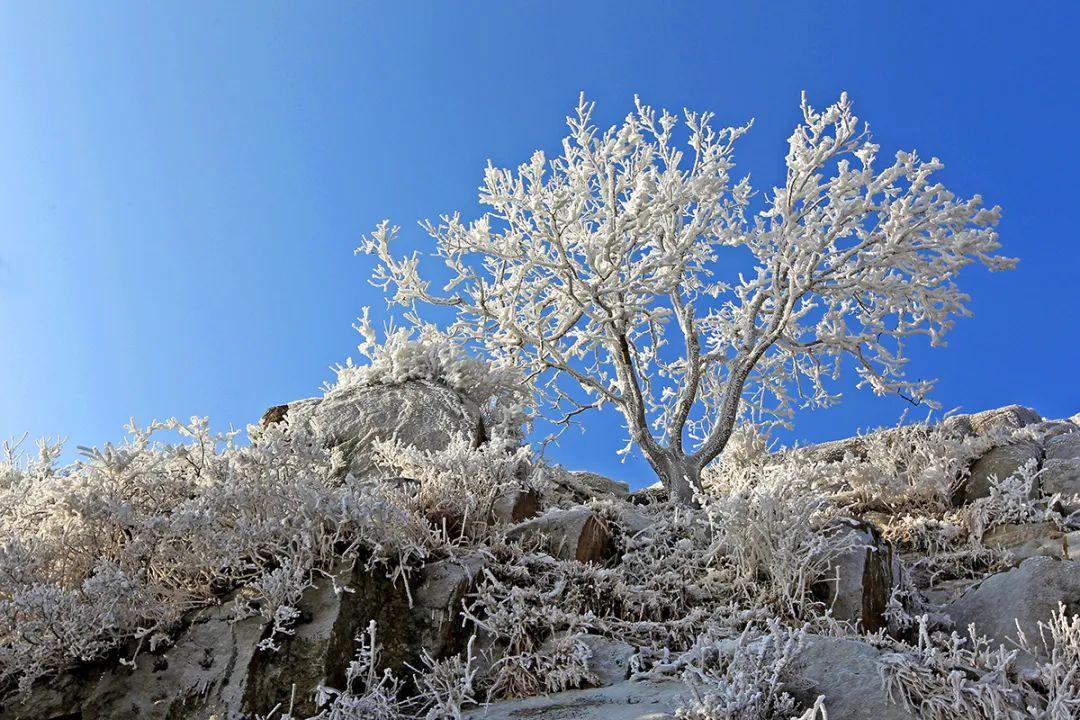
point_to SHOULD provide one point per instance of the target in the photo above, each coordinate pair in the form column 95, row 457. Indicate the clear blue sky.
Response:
column 182, row 184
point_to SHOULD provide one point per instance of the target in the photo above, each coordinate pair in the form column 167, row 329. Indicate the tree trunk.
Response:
column 681, row 478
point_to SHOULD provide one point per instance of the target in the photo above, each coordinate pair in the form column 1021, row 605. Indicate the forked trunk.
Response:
column 681, row 477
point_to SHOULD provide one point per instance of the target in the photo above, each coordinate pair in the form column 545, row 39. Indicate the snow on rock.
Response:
column 1010, row 416
column 625, row 701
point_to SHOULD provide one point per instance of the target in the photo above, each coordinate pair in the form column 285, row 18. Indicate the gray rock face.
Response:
column 204, row 671
column 324, row 643
column 1002, row 462
column 215, row 666
column 846, row 673
column 862, row 579
column 515, row 505
column 571, row 534
column 1034, row 540
column 1027, row 594
column 437, row 604
column 625, row 701
column 1061, row 469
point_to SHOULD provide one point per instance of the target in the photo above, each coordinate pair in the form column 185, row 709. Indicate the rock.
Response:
column 625, row 701
column 862, row 578
column 298, row 412
column 437, row 604
column 1011, row 416
column 320, row 650
column 204, row 671
column 597, row 484
column 835, row 451
column 1033, row 540
column 1047, row 430
column 1064, row 446
column 844, row 671
column 1062, row 477
column 958, row 425
column 631, row 519
column 423, row 414
column 215, row 666
column 575, row 487
column 1061, row 469
column 1026, row 594
column 1003, row 462
column 570, row 534
column 609, row 660
column 515, row 504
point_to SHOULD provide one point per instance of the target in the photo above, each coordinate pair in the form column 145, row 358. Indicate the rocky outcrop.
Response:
column 1061, row 469
column 1010, row 416
column 437, row 604
column 1028, row 540
column 1024, row 595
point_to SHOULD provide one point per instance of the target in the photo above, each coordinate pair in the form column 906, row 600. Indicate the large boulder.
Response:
column 861, row 579
column 420, row 413
column 1025, row 595
column 609, row 660
column 1001, row 462
column 569, row 534
column 203, row 672
column 845, row 671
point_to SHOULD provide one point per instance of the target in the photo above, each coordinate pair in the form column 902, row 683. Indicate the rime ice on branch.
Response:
column 603, row 269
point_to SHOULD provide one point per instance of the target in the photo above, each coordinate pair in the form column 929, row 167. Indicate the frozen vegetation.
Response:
column 399, row 548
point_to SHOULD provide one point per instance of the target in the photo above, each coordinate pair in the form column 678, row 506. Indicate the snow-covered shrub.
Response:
column 775, row 537
column 1009, row 501
column 456, row 487
column 423, row 352
column 740, row 679
column 121, row 544
column 950, row 677
column 442, row 688
column 369, row 694
column 1059, row 674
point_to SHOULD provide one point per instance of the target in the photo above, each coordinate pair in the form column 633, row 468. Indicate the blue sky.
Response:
column 182, row 184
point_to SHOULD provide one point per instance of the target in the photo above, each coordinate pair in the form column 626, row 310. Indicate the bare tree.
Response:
column 604, row 266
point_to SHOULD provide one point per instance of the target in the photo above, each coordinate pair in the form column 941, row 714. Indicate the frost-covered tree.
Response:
column 612, row 273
